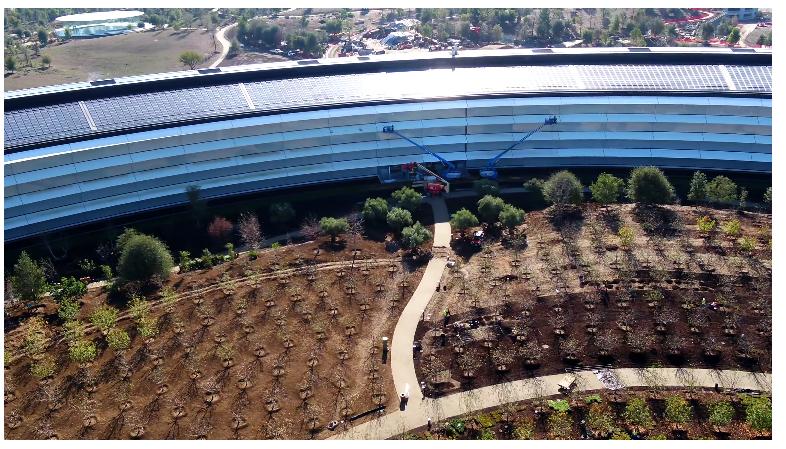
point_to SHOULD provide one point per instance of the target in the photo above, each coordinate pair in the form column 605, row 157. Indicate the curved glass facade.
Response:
column 59, row 186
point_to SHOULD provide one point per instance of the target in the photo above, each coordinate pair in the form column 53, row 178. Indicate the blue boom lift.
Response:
column 490, row 171
column 450, row 173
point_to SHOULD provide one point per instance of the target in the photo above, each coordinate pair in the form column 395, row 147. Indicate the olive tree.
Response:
column 722, row 190
column 414, row 236
column 463, row 219
column 142, row 257
column 563, row 188
column 698, row 187
column 375, row 210
column 398, row 218
column 510, row 217
column 648, row 185
column 406, row 198
column 607, row 188
column 190, row 59
column 489, row 208
column 333, row 227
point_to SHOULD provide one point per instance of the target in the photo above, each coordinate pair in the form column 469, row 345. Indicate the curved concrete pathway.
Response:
column 225, row 44
column 417, row 414
column 420, row 409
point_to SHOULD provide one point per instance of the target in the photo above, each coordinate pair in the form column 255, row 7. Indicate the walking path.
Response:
column 225, row 44
column 420, row 409
column 457, row 404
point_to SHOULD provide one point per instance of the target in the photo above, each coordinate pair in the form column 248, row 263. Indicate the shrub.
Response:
column 722, row 190
column 593, row 399
column 68, row 309
column 721, row 413
column 486, row 187
column 487, row 434
column 524, row 430
column 144, row 257
column 600, row 420
column 36, row 338
column 560, row 425
column 705, row 224
column 563, row 188
column 732, row 228
column 698, row 187
column 454, row 428
column 463, row 220
column 231, row 254
column 28, row 281
column 485, row 420
column 415, row 235
column 638, row 413
column 138, row 307
column 82, row 351
column 104, row 318
column 678, row 410
column 648, row 185
column 43, row 368
column 768, row 197
column 535, row 185
column 758, row 413
column 118, row 339
column 185, row 261
column 489, row 208
column 275, row 245
column 281, row 214
column 511, row 216
column 626, row 236
column 560, row 405
column 657, row 436
column 147, row 327
column 607, row 188
column 747, row 244
column 407, row 198
column 69, row 288
column 333, row 227
column 375, row 210
column 220, row 229
column 106, row 272
column 398, row 218
column 620, row 435
column 125, row 237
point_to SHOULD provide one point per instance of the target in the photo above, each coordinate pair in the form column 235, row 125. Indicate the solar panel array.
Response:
column 47, row 124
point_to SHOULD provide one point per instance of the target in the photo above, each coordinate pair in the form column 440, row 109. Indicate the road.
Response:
column 225, row 44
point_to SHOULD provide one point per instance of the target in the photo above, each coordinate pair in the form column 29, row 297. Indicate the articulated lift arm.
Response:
column 452, row 171
column 490, row 171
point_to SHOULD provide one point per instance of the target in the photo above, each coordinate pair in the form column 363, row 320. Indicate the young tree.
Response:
column 722, row 190
column 249, row 229
column 10, row 63
column 375, row 210
column 104, row 318
column 489, row 208
column 606, row 189
column 721, row 413
column 69, row 288
column 678, row 410
column 698, row 187
column 190, row 59
column 407, row 198
column 29, row 281
column 637, row 413
column 563, row 188
column 282, row 213
column 143, row 257
column 768, row 197
column 734, row 36
column 758, row 412
column 414, row 236
column 463, row 220
column 333, row 227
column 510, row 217
column 398, row 218
column 648, row 185
column 43, row 37
column 46, row 60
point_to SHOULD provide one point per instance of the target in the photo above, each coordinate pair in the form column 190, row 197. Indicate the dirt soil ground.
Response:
column 576, row 299
column 113, row 56
column 272, row 348
column 531, row 418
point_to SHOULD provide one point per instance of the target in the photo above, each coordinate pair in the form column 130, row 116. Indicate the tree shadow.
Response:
column 655, row 219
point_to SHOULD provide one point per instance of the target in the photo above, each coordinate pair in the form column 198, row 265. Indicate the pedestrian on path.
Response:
column 428, row 423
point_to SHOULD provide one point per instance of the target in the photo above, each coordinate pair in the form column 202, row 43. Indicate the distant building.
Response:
column 97, row 24
column 742, row 13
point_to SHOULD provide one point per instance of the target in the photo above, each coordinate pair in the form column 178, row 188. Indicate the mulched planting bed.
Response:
column 571, row 299
column 600, row 415
column 272, row 348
